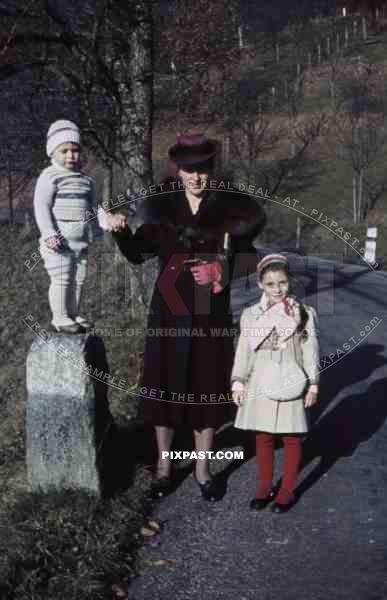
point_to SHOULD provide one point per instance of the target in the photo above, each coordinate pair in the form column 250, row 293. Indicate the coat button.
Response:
column 173, row 268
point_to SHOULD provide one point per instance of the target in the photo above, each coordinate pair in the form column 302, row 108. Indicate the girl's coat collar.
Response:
column 266, row 320
column 263, row 305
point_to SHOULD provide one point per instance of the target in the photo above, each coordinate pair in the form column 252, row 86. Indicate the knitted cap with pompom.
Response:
column 62, row 132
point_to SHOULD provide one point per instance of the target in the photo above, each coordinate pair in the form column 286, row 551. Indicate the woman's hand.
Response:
column 205, row 273
column 311, row 396
column 238, row 392
column 111, row 221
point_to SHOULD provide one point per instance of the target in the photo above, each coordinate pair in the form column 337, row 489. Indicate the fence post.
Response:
column 27, row 221
column 364, row 28
column 226, row 150
column 240, row 37
column 273, row 94
column 298, row 233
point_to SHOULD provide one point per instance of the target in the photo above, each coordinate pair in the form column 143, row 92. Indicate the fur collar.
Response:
column 220, row 211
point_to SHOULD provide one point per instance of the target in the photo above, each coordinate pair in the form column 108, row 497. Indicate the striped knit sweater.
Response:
column 62, row 195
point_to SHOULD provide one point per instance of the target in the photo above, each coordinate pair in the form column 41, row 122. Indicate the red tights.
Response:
column 265, row 459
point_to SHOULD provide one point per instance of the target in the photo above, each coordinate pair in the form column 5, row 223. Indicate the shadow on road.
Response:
column 336, row 375
column 338, row 434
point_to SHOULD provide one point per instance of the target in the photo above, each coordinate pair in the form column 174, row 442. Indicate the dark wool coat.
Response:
column 187, row 363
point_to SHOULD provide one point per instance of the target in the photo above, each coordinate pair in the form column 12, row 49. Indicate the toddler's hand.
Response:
column 238, row 392
column 54, row 242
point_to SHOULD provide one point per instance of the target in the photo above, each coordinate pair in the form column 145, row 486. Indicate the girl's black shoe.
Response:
column 279, row 509
column 288, row 501
column 261, row 503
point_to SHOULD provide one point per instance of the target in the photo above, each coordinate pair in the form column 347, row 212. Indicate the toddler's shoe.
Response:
column 84, row 323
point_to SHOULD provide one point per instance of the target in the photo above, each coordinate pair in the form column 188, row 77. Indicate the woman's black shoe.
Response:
column 160, row 487
column 261, row 503
column 208, row 489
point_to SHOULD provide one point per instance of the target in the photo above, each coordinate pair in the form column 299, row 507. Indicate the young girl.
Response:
column 275, row 377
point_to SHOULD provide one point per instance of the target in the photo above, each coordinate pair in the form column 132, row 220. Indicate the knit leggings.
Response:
column 265, row 462
column 67, row 270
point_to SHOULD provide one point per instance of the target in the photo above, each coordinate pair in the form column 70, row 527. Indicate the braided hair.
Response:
column 304, row 318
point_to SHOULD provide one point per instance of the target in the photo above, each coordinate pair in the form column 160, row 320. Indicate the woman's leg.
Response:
column 164, row 437
column 265, row 458
column 203, row 442
column 291, row 465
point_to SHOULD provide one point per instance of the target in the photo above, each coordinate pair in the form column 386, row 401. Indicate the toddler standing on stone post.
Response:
column 63, row 202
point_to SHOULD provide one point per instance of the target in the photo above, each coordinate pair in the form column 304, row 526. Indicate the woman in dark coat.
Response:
column 189, row 341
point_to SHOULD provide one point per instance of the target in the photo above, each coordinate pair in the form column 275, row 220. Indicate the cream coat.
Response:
column 253, row 352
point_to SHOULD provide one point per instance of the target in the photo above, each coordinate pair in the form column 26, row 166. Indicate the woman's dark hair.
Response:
column 207, row 165
column 170, row 173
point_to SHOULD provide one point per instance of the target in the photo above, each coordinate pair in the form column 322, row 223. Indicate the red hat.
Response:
column 192, row 149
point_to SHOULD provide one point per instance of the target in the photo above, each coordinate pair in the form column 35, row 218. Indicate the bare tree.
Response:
column 361, row 130
column 94, row 62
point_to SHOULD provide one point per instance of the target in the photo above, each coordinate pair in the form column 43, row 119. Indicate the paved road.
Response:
column 333, row 544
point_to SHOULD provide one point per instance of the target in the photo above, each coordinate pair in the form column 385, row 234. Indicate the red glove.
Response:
column 205, row 273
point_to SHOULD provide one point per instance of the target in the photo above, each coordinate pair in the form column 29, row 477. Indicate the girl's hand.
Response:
column 311, row 397
column 54, row 242
column 238, row 392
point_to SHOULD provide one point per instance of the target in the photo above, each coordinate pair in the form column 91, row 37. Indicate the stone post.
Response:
column 67, row 417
